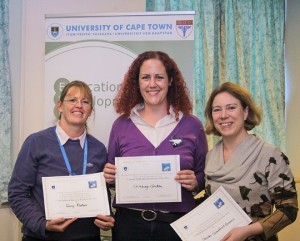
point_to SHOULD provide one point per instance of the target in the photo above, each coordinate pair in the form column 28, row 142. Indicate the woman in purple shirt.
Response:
column 155, row 120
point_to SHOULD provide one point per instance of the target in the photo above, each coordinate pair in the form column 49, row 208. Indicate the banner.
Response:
column 98, row 50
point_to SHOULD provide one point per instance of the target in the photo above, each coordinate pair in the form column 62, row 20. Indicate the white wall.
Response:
column 27, row 47
column 292, row 49
column 8, row 225
column 26, row 51
column 292, row 36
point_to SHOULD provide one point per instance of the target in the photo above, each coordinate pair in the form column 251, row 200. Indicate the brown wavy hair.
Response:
column 254, row 113
column 129, row 94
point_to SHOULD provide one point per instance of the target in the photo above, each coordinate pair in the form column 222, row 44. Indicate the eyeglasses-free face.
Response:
column 154, row 83
column 229, row 115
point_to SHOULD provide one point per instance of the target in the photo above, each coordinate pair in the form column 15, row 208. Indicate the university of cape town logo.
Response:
column 54, row 31
column 184, row 28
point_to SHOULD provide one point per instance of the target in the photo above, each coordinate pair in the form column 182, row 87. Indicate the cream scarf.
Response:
column 239, row 163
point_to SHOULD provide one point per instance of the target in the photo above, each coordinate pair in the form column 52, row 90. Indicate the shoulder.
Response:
column 121, row 121
column 192, row 120
column 191, row 123
column 267, row 148
column 270, row 151
column 40, row 139
column 274, row 151
column 49, row 132
column 93, row 140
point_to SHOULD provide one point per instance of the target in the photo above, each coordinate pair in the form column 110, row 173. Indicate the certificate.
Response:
column 78, row 196
column 212, row 219
column 147, row 179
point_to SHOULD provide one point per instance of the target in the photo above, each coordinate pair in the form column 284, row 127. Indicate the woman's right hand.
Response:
column 59, row 224
column 243, row 232
column 109, row 173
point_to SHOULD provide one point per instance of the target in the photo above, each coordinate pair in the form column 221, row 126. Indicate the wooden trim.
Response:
column 297, row 180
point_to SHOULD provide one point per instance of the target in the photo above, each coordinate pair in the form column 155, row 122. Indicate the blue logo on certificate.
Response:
column 92, row 184
column 166, row 167
column 219, row 203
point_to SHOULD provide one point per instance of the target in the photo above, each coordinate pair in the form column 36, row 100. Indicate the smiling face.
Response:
column 229, row 116
column 154, row 83
column 75, row 108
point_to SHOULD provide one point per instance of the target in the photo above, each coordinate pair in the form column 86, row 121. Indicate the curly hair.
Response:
column 254, row 113
column 129, row 94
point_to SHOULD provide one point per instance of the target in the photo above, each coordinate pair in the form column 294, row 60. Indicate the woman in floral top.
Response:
column 255, row 173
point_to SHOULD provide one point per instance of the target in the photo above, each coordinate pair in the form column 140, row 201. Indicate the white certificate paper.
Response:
column 78, row 196
column 212, row 219
column 147, row 179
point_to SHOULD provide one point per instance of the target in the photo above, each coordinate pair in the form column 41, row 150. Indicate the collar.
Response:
column 168, row 119
column 63, row 137
column 135, row 111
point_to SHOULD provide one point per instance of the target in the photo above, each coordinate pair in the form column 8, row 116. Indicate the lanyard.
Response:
column 67, row 162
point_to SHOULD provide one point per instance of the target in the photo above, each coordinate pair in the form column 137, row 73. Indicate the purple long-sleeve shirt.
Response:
column 127, row 140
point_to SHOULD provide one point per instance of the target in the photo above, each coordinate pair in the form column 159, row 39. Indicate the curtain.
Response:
column 240, row 41
column 5, row 104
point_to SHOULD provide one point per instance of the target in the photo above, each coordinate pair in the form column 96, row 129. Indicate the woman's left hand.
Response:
column 242, row 233
column 236, row 234
column 104, row 222
column 187, row 179
column 59, row 224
